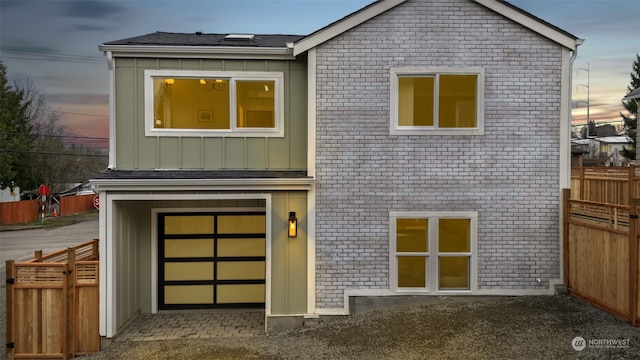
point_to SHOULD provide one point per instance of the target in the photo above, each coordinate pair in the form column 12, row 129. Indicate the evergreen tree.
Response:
column 631, row 118
column 15, row 134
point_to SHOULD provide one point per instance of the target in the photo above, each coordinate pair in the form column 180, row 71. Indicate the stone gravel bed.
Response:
column 529, row 327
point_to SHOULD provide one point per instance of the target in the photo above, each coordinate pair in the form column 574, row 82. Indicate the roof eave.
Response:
column 560, row 37
column 201, row 184
column 343, row 25
column 217, row 52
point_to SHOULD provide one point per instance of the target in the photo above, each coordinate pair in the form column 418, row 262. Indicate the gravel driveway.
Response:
column 534, row 327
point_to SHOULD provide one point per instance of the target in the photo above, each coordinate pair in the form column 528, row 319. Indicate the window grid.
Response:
column 432, row 266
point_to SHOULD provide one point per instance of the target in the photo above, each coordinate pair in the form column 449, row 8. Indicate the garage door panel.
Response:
column 246, row 224
column 241, row 270
column 183, row 248
column 184, row 271
column 241, row 293
column 188, row 294
column 241, row 247
column 188, row 224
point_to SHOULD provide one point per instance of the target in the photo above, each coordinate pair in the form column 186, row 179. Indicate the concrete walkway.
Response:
column 195, row 324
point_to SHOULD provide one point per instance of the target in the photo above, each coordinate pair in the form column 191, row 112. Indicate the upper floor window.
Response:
column 213, row 103
column 437, row 101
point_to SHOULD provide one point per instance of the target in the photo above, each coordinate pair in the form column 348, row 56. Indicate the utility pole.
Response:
column 587, row 86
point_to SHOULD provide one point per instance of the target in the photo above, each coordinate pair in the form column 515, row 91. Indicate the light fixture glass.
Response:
column 169, row 81
column 213, row 85
column 293, row 225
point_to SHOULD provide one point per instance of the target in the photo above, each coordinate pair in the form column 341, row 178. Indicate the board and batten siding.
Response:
column 135, row 151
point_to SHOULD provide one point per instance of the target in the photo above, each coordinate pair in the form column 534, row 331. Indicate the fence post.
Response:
column 633, row 261
column 632, row 182
column 37, row 256
column 95, row 249
column 566, row 195
column 582, row 184
column 71, row 260
column 9, row 309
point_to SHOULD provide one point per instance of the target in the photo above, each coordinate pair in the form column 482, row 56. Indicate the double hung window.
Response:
column 208, row 103
column 433, row 251
column 437, row 101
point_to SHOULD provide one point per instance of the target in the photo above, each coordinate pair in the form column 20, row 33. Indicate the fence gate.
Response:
column 601, row 255
column 39, row 311
column 52, row 305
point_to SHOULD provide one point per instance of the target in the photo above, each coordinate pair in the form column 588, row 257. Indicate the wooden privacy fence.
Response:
column 601, row 255
column 52, row 304
column 613, row 185
column 19, row 212
column 76, row 204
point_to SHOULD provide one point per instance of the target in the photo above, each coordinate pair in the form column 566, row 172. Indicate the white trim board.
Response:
column 482, row 292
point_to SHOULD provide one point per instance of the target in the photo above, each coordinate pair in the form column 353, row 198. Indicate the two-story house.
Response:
column 382, row 155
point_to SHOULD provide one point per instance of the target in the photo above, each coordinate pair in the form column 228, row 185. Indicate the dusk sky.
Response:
column 55, row 42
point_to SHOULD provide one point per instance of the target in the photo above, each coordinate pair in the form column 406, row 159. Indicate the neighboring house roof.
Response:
column 581, row 141
column 499, row 6
column 622, row 139
column 633, row 95
column 578, row 149
column 614, row 139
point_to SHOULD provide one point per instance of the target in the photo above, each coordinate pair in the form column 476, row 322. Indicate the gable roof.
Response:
column 499, row 6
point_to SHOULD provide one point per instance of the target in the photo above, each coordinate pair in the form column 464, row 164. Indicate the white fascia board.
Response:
column 531, row 24
column 344, row 25
column 202, row 184
column 217, row 52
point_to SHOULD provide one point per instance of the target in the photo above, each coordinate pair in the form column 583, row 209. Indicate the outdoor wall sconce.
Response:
column 293, row 225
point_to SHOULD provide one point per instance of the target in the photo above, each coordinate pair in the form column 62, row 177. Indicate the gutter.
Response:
column 201, row 184
column 214, row 52
column 112, row 109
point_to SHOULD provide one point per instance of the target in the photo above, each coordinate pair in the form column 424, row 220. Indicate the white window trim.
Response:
column 232, row 76
column 395, row 129
column 433, row 254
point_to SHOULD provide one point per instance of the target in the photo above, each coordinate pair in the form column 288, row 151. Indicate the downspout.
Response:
column 112, row 110
column 565, row 169
column 565, row 182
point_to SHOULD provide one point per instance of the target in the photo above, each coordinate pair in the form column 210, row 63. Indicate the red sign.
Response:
column 44, row 190
column 96, row 202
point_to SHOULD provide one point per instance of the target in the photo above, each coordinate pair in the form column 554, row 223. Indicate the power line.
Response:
column 44, row 56
column 74, row 113
column 50, row 153
column 63, row 136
